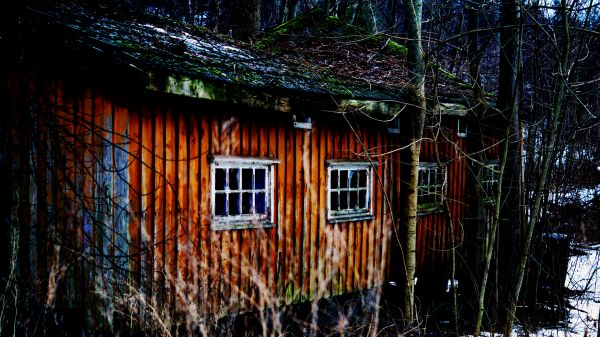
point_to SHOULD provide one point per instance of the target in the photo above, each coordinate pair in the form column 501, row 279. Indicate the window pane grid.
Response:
column 430, row 190
column 236, row 193
column 348, row 191
column 489, row 181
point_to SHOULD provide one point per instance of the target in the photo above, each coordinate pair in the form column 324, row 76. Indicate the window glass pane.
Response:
column 362, row 199
column 234, row 204
column 247, row 178
column 334, row 201
column 334, row 179
column 353, row 199
column 247, row 203
column 260, row 179
column 234, row 180
column 220, row 204
column 220, row 179
column 260, row 203
column 343, row 179
column 343, row 200
column 362, row 182
column 353, row 178
column 427, row 198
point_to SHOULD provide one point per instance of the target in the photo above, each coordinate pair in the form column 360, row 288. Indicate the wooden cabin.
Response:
column 169, row 163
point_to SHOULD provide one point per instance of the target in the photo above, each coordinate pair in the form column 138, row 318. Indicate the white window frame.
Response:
column 461, row 127
column 224, row 222
column 489, row 176
column 440, row 193
column 366, row 213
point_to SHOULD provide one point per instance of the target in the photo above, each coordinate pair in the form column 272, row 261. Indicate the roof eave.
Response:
column 281, row 101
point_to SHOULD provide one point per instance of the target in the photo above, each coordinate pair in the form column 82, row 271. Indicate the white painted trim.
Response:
column 347, row 163
column 220, row 222
column 350, row 215
column 458, row 131
column 226, row 161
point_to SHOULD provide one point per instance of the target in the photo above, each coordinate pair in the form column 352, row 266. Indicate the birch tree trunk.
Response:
column 548, row 155
column 416, row 65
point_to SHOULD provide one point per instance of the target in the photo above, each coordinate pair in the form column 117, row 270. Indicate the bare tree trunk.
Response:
column 491, row 242
column 246, row 19
column 548, row 155
column 224, row 8
column 417, row 110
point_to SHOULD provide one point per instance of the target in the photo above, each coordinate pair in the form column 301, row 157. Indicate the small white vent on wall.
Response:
column 302, row 122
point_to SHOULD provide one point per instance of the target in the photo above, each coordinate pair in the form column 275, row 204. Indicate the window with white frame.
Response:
column 431, row 186
column 489, row 181
column 461, row 127
column 242, row 192
column 349, row 190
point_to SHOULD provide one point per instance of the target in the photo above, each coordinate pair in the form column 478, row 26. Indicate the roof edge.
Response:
column 271, row 100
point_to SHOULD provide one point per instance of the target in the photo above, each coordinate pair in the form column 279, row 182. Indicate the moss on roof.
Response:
column 195, row 53
column 327, row 63
column 315, row 24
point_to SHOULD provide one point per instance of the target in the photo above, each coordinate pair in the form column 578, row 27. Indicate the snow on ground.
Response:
column 583, row 277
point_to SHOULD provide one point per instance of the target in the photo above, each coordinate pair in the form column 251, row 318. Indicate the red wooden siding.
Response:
column 129, row 188
column 433, row 231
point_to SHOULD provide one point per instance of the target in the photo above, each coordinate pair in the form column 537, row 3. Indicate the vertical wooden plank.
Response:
column 379, row 226
column 171, row 125
column 194, row 205
column 87, row 177
column 148, row 198
column 79, row 202
column 378, row 231
column 67, row 184
column 351, row 227
column 329, row 228
column 98, row 155
column 357, row 230
column 322, row 211
column 159, row 187
column 398, row 179
column 289, row 216
column 245, row 236
column 367, row 226
column 226, row 236
column 282, row 223
column 205, row 240
column 183, row 221
column 135, row 187
column 335, row 227
column 314, row 205
column 261, row 234
column 346, row 138
column 236, row 235
column 272, row 245
column 298, row 214
column 216, row 254
column 121, row 235
column 305, row 214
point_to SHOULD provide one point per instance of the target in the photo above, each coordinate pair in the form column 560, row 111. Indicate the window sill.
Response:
column 351, row 218
column 223, row 226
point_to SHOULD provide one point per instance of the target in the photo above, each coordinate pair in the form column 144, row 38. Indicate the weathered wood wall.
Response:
column 120, row 196
column 433, row 232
